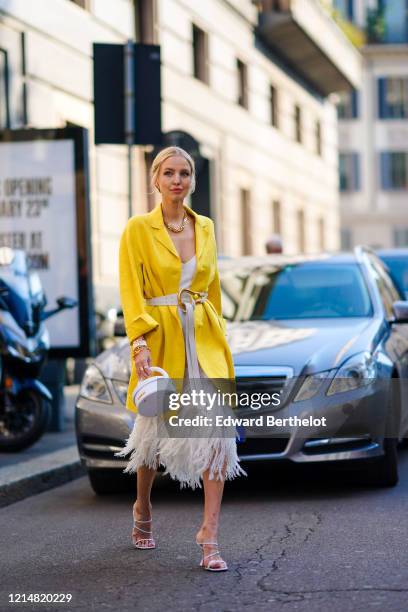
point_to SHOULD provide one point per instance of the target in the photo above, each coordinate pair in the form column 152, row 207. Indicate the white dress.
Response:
column 184, row 458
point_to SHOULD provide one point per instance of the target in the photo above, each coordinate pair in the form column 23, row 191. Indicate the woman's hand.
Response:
column 143, row 363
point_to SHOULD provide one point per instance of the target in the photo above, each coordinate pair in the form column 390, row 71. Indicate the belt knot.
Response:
column 198, row 297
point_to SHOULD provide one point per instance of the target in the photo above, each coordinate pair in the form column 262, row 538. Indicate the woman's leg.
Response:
column 213, row 491
column 142, row 507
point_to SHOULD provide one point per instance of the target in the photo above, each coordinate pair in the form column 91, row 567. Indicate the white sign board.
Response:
column 38, row 214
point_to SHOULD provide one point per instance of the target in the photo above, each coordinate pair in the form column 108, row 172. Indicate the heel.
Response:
column 142, row 543
column 209, row 566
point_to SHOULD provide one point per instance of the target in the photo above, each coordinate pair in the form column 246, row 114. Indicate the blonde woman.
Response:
column 162, row 252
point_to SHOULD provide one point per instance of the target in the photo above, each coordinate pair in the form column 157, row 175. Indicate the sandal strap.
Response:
column 139, row 521
column 217, row 552
column 140, row 529
column 207, row 543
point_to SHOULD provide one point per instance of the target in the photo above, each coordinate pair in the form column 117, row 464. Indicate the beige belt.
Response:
column 177, row 299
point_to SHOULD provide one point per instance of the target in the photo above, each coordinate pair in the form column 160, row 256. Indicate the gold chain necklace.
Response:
column 179, row 228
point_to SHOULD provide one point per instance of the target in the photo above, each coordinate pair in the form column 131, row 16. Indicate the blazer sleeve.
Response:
column 214, row 288
column 137, row 321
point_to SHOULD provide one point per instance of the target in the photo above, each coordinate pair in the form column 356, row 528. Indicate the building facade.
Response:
column 373, row 130
column 246, row 85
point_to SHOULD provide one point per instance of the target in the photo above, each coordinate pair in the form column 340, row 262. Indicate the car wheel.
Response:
column 383, row 472
column 108, row 482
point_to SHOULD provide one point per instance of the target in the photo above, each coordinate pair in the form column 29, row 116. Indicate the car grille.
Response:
column 262, row 446
column 249, row 385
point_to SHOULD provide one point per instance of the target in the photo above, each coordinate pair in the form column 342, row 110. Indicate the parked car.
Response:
column 328, row 333
column 397, row 262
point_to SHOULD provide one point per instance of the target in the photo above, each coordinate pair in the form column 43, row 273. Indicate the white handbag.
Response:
column 150, row 394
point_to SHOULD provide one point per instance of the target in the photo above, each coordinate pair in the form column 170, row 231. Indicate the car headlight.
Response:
column 121, row 389
column 94, row 386
column 311, row 385
column 358, row 371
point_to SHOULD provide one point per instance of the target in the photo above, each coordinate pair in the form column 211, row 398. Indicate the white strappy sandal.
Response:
column 208, row 566
column 142, row 543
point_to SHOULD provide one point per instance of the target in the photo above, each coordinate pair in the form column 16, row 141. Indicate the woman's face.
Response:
column 174, row 178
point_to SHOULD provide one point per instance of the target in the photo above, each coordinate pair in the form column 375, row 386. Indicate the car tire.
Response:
column 383, row 472
column 109, row 482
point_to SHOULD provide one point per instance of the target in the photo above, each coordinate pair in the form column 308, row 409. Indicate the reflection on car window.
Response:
column 309, row 290
column 399, row 271
column 388, row 292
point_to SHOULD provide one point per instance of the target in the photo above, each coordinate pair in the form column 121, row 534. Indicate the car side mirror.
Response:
column 400, row 309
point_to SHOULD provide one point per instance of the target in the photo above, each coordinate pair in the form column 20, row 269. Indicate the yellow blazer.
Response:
column 150, row 266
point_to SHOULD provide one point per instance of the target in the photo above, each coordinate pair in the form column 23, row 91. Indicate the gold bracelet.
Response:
column 137, row 349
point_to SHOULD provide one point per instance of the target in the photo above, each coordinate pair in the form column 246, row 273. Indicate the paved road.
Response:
column 293, row 542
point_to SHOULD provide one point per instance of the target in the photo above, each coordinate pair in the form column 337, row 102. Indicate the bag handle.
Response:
column 157, row 369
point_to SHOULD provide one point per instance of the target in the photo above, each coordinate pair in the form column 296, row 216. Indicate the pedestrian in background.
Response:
column 166, row 256
column 274, row 244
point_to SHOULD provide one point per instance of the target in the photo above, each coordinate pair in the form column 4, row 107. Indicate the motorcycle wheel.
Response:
column 26, row 423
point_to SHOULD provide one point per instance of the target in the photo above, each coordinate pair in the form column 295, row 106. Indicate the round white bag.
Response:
column 150, row 394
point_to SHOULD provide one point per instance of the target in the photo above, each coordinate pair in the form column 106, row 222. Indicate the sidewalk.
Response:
column 50, row 462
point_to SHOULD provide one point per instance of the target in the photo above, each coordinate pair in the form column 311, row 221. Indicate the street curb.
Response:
column 37, row 475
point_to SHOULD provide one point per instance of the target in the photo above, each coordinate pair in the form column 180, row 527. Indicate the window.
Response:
column 309, row 290
column 246, row 246
column 345, row 8
column 346, row 239
column 393, row 98
column 298, row 124
column 273, row 96
column 277, row 5
column 394, row 172
column 395, row 20
column 200, row 59
column 349, row 171
column 318, row 137
column 301, row 230
column 200, row 54
column 242, row 71
column 347, row 107
column 146, row 21
column 321, row 231
column 82, row 3
column 4, row 91
column 276, row 214
column 388, row 292
column 400, row 236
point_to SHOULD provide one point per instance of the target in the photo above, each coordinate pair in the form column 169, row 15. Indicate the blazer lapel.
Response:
column 161, row 234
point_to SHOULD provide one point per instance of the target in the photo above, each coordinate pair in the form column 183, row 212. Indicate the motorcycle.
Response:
column 25, row 409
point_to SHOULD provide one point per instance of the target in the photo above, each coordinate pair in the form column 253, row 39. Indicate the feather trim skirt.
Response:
column 184, row 458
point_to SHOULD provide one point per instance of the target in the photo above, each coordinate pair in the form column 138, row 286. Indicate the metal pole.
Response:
column 129, row 114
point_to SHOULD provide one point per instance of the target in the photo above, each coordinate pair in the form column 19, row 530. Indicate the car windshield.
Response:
column 399, row 270
column 310, row 290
